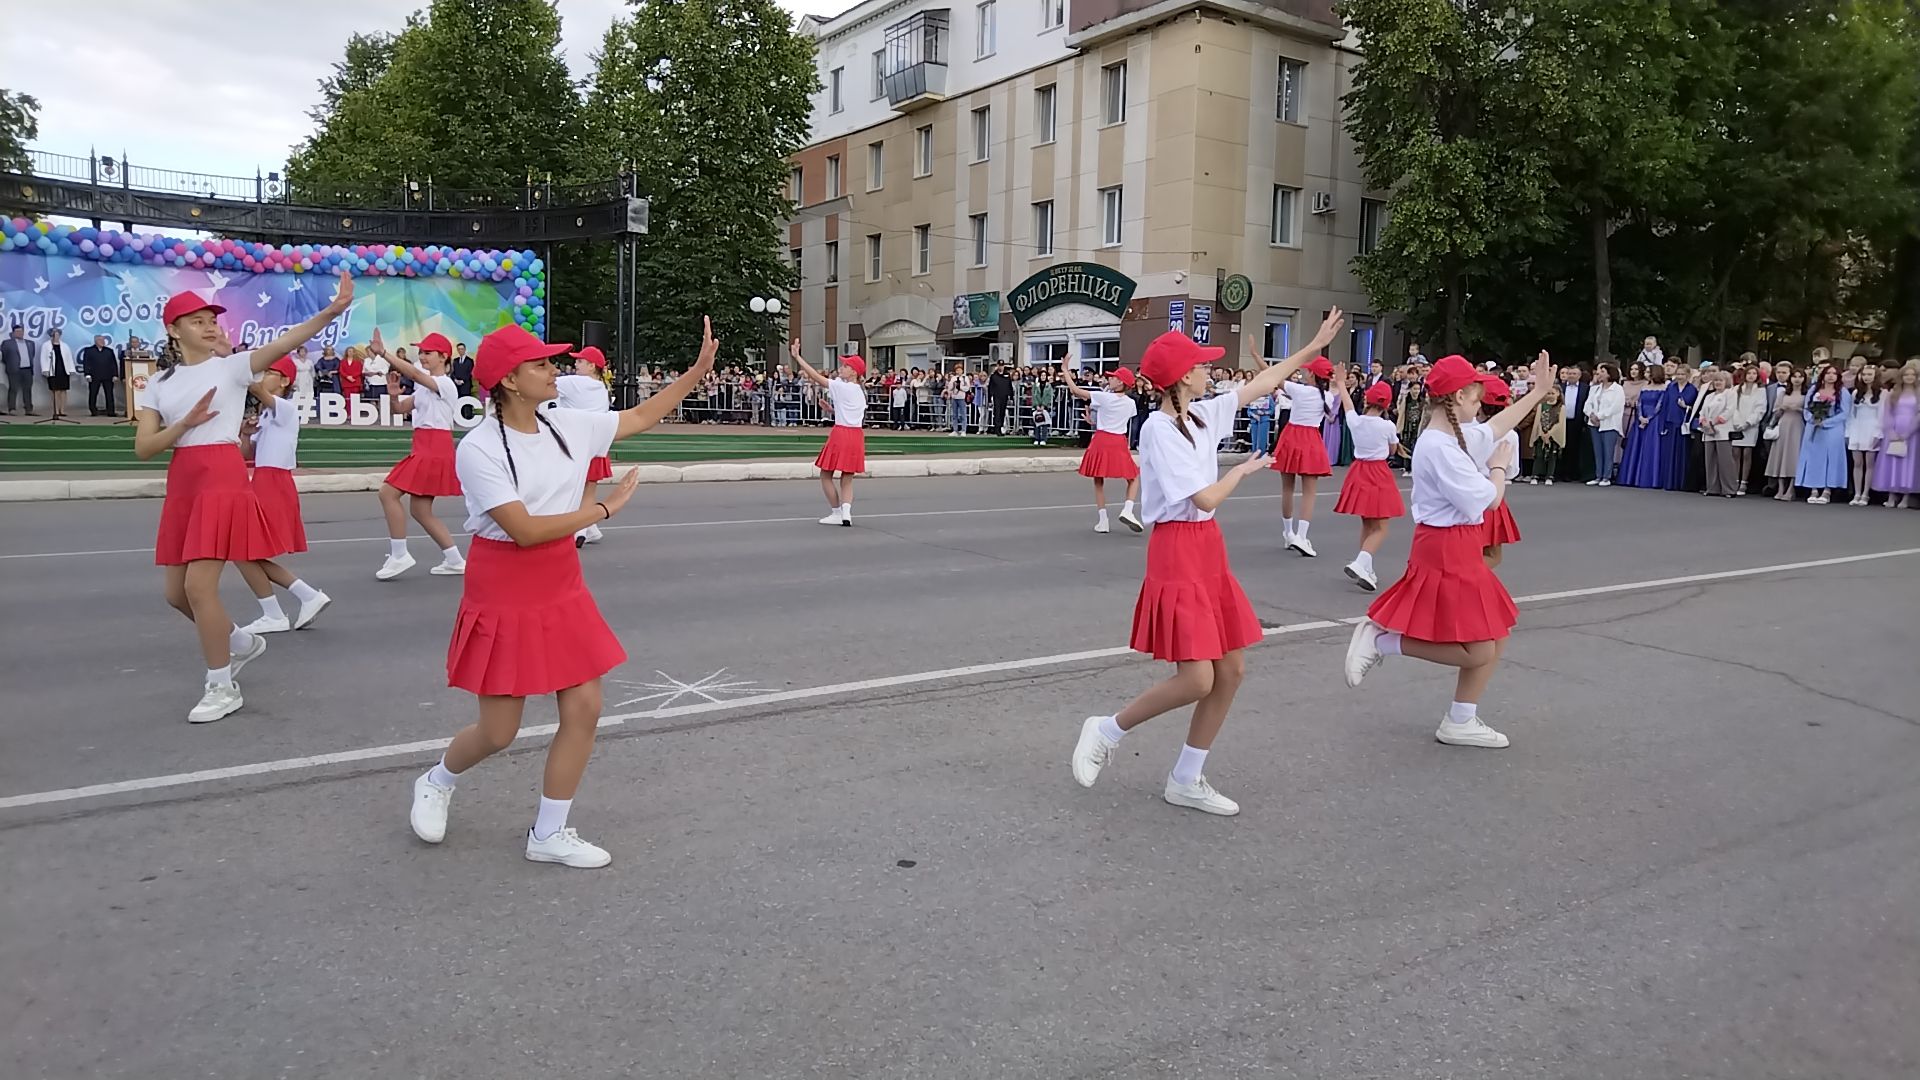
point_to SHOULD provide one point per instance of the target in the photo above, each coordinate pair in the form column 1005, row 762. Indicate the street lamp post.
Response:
column 770, row 307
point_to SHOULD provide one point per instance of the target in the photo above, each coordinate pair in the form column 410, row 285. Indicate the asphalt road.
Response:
column 858, row 852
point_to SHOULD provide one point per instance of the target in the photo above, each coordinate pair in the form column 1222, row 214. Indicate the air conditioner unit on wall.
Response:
column 849, row 348
column 1001, row 352
column 1323, row 202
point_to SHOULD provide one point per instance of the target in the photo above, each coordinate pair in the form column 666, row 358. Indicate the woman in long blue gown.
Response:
column 1823, row 446
column 1640, row 464
column 1679, row 402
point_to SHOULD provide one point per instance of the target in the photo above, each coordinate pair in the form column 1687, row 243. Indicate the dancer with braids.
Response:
column 845, row 455
column 1448, row 608
column 1301, row 457
column 1191, row 611
column 1107, row 456
column 427, row 472
column 274, row 446
column 1369, row 491
column 211, row 516
column 586, row 391
column 527, row 625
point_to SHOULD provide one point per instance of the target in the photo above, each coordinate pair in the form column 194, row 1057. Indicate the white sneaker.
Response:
column 1549, row 481
column 394, row 567
column 1362, row 576
column 1132, row 521
column 1092, row 752
column 1603, row 483
column 1302, row 545
column 429, row 814
column 832, row 518
column 268, row 624
column 1471, row 733
column 1101, row 526
column 846, row 516
column 1533, row 479
column 219, row 700
column 1200, row 795
column 310, row 610
column 1363, row 651
column 450, row 568
column 1595, row 482
column 591, row 534
column 252, row 652
column 566, row 848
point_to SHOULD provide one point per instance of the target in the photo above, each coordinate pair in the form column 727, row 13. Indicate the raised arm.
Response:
column 1210, row 497
column 532, row 530
column 264, row 356
column 813, row 374
column 1073, row 384
column 666, row 399
column 1271, row 379
column 1340, row 383
column 378, row 347
column 1510, row 417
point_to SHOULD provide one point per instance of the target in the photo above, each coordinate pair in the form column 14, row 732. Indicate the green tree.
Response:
column 19, row 125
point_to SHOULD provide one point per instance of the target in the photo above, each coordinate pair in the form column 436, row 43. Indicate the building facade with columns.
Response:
column 1025, row 180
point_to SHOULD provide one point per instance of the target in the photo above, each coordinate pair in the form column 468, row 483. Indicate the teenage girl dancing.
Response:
column 1370, row 492
column 211, row 516
column 274, row 446
column 1496, row 395
column 1449, row 608
column 427, row 472
column 1191, row 611
column 845, row 455
column 586, row 391
column 1301, row 457
column 527, row 625
column 1107, row 456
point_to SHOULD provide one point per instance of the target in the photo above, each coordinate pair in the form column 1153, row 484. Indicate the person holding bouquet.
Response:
column 1823, row 448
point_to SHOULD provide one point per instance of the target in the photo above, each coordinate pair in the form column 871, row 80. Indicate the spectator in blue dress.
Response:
column 1645, row 462
column 1823, row 447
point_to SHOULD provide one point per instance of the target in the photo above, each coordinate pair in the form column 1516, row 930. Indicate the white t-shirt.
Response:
column 1172, row 469
column 550, row 481
column 1308, row 402
column 434, row 402
column 1112, row 413
column 1448, row 486
column 849, row 403
column 1373, row 436
column 277, row 443
column 376, row 368
column 1481, row 441
column 174, row 395
column 583, row 392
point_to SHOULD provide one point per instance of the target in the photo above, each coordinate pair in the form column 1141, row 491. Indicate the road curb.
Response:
column 153, row 487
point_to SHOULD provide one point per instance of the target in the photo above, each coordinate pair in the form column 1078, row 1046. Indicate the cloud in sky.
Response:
column 223, row 86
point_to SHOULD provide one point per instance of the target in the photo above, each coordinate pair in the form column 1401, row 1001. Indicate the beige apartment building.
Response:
column 1027, row 180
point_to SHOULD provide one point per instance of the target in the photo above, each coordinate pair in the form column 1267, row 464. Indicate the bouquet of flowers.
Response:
column 1820, row 409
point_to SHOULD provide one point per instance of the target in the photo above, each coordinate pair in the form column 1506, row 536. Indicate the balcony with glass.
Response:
column 916, row 61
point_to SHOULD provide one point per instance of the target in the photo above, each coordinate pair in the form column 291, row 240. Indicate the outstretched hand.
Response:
column 709, row 348
column 1543, row 369
column 343, row 294
column 201, row 412
column 1330, row 328
column 375, row 344
column 1254, row 463
column 622, row 492
column 1502, row 457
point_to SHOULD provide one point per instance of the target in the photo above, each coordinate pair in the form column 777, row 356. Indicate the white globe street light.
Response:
column 764, row 305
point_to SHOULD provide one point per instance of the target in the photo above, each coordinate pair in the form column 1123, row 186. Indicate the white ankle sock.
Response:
column 1103, row 513
column 1388, row 644
column 270, row 607
column 219, row 676
column 1127, row 509
column 441, row 776
column 1187, row 769
column 1286, row 526
column 451, row 555
column 397, row 548
column 846, row 510
column 238, row 640
column 302, row 591
column 1300, row 527
column 1110, row 729
column 1462, row 711
column 552, row 817
column 1364, row 560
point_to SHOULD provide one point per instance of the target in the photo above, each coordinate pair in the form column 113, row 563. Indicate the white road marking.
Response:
column 714, row 687
column 401, row 750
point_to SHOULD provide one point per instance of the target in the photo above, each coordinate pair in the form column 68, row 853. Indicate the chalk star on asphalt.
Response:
column 711, row 688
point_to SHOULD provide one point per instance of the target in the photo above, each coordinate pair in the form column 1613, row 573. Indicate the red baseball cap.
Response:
column 1320, row 368
column 1379, row 395
column 283, row 365
column 858, row 365
column 435, row 343
column 1450, row 373
column 182, row 304
column 1125, row 375
column 507, row 348
column 1497, row 391
column 594, row 354
column 1171, row 355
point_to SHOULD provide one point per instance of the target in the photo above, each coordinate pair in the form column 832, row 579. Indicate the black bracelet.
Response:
column 604, row 510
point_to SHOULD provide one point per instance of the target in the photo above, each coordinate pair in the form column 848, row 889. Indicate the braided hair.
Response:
column 1180, row 413
column 1451, row 403
column 500, row 423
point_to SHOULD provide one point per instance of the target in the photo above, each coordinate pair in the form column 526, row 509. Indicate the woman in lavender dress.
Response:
column 1823, row 449
column 1893, row 470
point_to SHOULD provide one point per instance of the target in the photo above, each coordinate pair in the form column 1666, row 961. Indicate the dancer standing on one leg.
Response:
column 1301, row 457
column 1502, row 529
column 427, row 472
column 274, row 446
column 586, row 391
column 1107, row 456
column 527, row 625
column 1191, row 611
column 211, row 515
column 845, row 455
column 1369, row 491
column 1449, row 608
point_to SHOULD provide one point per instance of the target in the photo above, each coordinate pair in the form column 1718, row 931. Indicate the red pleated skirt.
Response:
column 1447, row 593
column 1302, row 452
column 1190, row 606
column 211, row 511
column 846, row 451
column 600, row 468
column 1501, row 528
column 428, row 469
column 527, row 624
column 1369, row 491
column 281, row 502
column 1107, row 458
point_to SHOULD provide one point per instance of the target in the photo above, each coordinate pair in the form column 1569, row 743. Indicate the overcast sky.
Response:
column 220, row 86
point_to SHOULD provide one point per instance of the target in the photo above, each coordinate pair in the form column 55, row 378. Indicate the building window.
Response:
column 876, row 165
column 1045, row 102
column 793, row 259
column 979, row 223
column 834, row 104
column 833, row 176
column 1293, row 81
column 1110, row 217
column 1046, row 353
column 923, row 151
column 1043, row 228
column 873, row 256
column 982, row 133
column 923, row 249
column 1099, row 356
column 833, row 261
column 882, row 357
column 1286, row 216
column 879, row 74
column 985, row 39
column 1113, row 87
column 1373, row 219
column 796, row 186
column 1052, row 14
column 1279, row 335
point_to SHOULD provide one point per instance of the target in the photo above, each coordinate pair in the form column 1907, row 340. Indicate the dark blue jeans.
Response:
column 1604, row 444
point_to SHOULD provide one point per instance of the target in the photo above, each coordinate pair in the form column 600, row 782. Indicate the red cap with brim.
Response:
column 858, row 365
column 1380, row 395
column 1126, row 376
column 592, row 354
column 1497, row 391
column 181, row 305
column 507, row 348
column 1320, row 368
column 1171, row 355
column 1449, row 373
column 282, row 366
column 436, row 343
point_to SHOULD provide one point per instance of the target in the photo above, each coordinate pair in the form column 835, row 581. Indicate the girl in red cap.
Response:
column 427, row 471
column 1369, row 491
column 1107, row 455
column 527, row 625
column 1191, row 610
column 845, row 455
column 274, row 445
column 586, row 391
column 1449, row 608
column 211, row 515
column 1496, row 395
column 1302, row 454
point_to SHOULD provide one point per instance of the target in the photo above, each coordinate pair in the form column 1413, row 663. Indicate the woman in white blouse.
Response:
column 1715, row 417
column 1749, row 416
column 1606, row 411
column 302, row 374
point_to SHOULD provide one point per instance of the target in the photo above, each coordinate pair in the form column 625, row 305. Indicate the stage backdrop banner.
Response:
column 84, row 297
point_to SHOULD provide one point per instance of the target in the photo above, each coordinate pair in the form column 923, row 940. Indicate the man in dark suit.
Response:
column 21, row 359
column 999, row 395
column 462, row 370
column 1576, row 464
column 101, row 365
